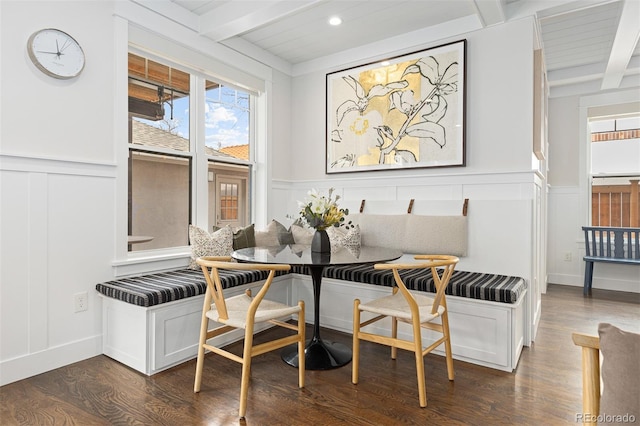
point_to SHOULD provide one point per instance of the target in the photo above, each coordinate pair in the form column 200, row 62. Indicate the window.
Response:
column 615, row 171
column 227, row 136
column 163, row 153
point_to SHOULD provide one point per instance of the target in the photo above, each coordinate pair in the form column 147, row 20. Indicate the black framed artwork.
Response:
column 400, row 113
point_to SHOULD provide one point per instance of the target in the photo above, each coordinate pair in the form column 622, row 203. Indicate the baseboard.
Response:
column 29, row 365
column 598, row 282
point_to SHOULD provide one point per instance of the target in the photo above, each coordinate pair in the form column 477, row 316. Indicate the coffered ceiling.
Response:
column 586, row 41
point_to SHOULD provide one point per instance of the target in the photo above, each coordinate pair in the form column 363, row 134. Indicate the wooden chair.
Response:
column 243, row 312
column 590, row 375
column 417, row 309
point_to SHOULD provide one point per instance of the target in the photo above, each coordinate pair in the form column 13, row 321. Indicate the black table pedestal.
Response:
column 319, row 354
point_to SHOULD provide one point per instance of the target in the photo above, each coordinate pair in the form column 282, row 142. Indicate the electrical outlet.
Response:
column 81, row 301
column 568, row 257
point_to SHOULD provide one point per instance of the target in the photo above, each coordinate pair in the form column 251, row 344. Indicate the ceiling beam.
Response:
column 623, row 45
column 234, row 18
column 491, row 12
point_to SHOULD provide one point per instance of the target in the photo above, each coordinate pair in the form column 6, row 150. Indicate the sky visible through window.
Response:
column 226, row 118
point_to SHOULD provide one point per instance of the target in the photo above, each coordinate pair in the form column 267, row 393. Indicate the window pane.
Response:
column 227, row 121
column 228, row 182
column 615, row 160
column 159, row 199
column 159, row 183
column 158, row 104
column 228, row 201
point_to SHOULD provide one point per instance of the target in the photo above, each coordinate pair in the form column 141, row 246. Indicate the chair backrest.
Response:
column 210, row 266
column 445, row 263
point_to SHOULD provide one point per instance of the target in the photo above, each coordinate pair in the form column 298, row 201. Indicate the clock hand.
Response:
column 42, row 51
column 58, row 49
column 64, row 46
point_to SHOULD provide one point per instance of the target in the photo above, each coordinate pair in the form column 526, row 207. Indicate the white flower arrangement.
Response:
column 321, row 212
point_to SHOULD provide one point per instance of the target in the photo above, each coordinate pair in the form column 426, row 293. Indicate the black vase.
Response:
column 320, row 242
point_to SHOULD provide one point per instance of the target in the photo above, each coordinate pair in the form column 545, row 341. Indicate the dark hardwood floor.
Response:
column 544, row 389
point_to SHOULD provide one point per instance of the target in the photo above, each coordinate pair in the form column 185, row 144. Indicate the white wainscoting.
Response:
column 57, row 240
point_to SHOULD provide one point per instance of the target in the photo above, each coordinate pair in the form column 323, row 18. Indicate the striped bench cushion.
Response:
column 163, row 287
column 473, row 285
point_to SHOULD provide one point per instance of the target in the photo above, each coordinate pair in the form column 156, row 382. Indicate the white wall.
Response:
column 499, row 129
column 499, row 138
column 499, row 108
column 62, row 172
column 57, row 169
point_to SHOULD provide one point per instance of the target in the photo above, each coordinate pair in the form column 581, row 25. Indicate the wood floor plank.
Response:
column 545, row 388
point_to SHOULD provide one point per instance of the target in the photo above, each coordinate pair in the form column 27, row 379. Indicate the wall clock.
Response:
column 56, row 53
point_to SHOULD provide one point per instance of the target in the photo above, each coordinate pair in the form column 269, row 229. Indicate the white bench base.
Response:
column 153, row 339
column 485, row 333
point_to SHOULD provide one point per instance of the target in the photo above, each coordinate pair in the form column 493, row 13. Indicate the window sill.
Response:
column 149, row 261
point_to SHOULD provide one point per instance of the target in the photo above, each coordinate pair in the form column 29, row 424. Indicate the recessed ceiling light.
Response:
column 335, row 20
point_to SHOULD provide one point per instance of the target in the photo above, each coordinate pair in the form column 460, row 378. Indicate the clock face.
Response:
column 56, row 53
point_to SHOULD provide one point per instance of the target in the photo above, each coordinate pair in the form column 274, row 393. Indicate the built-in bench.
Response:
column 151, row 322
column 611, row 245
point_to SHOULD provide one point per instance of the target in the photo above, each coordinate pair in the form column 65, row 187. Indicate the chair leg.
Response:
column 246, row 369
column 394, row 335
column 199, row 367
column 588, row 277
column 355, row 361
column 447, row 345
column 204, row 325
column 301, row 343
column 422, row 388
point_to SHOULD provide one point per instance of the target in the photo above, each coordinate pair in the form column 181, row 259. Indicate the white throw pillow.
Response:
column 341, row 237
column 269, row 236
column 302, row 235
column 203, row 243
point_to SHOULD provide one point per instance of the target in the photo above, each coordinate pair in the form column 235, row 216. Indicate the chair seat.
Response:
column 396, row 306
column 238, row 306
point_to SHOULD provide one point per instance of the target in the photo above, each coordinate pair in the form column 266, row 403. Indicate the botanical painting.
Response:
column 404, row 112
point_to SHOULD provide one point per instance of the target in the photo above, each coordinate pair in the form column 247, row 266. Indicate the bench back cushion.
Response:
column 415, row 234
column 381, row 230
